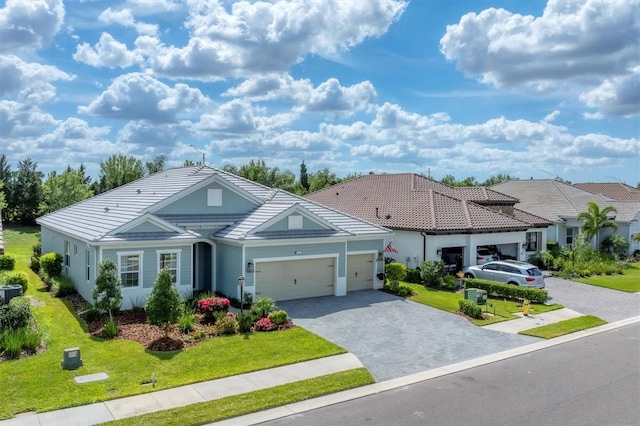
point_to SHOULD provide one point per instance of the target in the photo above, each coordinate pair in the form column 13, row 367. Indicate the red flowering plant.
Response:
column 212, row 304
column 263, row 324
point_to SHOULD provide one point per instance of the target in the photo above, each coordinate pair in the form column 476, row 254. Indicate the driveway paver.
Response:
column 610, row 305
column 394, row 337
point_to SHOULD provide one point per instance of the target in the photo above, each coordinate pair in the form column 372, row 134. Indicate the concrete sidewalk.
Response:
column 533, row 320
column 121, row 408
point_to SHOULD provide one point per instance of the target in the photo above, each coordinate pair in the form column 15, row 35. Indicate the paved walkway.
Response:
column 121, row 408
column 515, row 326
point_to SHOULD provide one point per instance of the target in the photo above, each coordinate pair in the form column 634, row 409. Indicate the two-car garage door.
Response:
column 295, row 279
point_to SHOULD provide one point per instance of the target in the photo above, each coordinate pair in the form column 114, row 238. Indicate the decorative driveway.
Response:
column 394, row 337
column 610, row 305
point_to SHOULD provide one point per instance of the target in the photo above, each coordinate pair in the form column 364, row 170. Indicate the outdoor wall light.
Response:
column 249, row 266
column 380, row 256
column 439, row 252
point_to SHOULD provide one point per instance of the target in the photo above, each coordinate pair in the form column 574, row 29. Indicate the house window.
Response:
column 171, row 261
column 67, row 253
column 214, row 197
column 88, row 263
column 130, row 267
column 533, row 241
column 570, row 236
column 295, row 222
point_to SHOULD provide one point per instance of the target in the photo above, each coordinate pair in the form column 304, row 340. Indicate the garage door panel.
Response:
column 360, row 269
column 295, row 279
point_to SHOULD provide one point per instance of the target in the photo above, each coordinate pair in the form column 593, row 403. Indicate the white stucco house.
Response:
column 209, row 228
column 561, row 203
column 433, row 221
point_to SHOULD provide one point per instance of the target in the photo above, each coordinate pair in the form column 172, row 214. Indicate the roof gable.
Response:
column 279, row 222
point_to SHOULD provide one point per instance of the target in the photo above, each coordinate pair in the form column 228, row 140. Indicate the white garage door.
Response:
column 295, row 279
column 360, row 272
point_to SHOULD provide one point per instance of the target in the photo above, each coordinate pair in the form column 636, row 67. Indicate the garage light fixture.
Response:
column 380, row 256
column 439, row 251
column 249, row 266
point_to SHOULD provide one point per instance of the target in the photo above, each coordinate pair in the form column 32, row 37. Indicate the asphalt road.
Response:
column 589, row 381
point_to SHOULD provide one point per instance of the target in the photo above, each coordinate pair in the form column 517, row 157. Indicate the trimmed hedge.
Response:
column 507, row 290
column 413, row 276
column 7, row 263
column 51, row 264
column 469, row 307
column 15, row 315
column 15, row 278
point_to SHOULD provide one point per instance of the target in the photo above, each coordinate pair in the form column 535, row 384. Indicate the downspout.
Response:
column 424, row 246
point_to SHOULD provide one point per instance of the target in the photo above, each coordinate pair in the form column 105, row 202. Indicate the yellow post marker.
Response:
column 525, row 307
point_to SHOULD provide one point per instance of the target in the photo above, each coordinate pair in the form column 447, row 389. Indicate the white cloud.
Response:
column 271, row 86
column 125, row 18
column 16, row 74
column 551, row 116
column 108, row 52
column 18, row 120
column 234, row 117
column 29, row 23
column 615, row 96
column 139, row 96
column 154, row 135
column 150, row 7
column 575, row 43
column 333, row 98
column 261, row 37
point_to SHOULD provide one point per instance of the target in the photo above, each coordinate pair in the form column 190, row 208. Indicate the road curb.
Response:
column 348, row 395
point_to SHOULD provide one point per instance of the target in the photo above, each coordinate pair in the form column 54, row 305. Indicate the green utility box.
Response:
column 477, row 295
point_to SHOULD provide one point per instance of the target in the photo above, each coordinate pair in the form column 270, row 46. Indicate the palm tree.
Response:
column 595, row 219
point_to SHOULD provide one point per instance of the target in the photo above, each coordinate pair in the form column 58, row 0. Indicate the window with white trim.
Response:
column 295, row 222
column 88, row 263
column 171, row 261
column 570, row 236
column 214, row 197
column 130, row 268
column 67, row 253
column 533, row 241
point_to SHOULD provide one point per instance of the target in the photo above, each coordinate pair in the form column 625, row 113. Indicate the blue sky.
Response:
column 469, row 88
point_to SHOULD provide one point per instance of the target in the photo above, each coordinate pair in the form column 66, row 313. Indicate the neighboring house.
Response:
column 209, row 227
column 561, row 203
column 434, row 221
column 617, row 191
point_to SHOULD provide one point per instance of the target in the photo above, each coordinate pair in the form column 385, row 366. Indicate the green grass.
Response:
column 237, row 405
column 564, row 327
column 447, row 301
column 629, row 281
column 38, row 383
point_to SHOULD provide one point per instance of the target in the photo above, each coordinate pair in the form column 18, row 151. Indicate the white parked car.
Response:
column 508, row 271
column 484, row 256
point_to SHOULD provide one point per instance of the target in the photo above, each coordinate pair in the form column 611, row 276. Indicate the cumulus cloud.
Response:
column 108, row 52
column 29, row 24
column 235, row 117
column 154, row 135
column 16, row 74
column 615, row 96
column 19, row 120
column 150, row 7
column 575, row 43
column 261, row 37
column 141, row 97
column 125, row 18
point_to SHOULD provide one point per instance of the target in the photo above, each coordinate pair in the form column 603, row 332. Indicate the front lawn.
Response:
column 629, row 281
column 504, row 309
column 564, row 327
column 38, row 383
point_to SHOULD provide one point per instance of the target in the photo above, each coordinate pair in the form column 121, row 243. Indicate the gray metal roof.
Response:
column 97, row 218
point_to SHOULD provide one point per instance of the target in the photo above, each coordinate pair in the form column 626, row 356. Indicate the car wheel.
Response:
column 512, row 283
column 468, row 275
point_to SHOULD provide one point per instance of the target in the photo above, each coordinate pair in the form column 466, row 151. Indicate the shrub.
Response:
column 16, row 278
column 111, row 328
column 278, row 317
column 15, row 315
column 506, row 290
column 210, row 305
column 164, row 303
column 402, row 291
column 245, row 322
column 449, row 283
column 469, row 307
column 11, row 343
column 264, row 324
column 91, row 314
column 107, row 293
column 7, row 263
column 34, row 264
column 395, row 272
column 413, row 276
column 31, row 339
column 262, row 306
column 62, row 286
column 187, row 320
column 51, row 264
column 226, row 325
column 432, row 272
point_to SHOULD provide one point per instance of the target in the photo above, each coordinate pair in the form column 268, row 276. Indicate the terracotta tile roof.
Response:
column 412, row 202
column 617, row 190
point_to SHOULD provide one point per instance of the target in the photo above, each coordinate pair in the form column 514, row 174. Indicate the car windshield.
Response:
column 484, row 252
column 534, row 272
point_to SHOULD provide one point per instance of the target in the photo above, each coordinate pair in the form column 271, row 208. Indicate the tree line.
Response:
column 26, row 193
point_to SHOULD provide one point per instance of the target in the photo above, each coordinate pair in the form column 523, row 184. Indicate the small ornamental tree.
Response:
column 396, row 272
column 107, row 294
column 164, row 304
